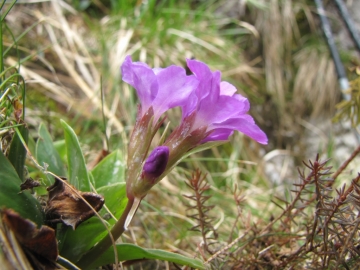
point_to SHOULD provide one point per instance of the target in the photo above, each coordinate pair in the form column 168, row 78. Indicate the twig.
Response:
column 346, row 163
column 221, row 251
column 335, row 175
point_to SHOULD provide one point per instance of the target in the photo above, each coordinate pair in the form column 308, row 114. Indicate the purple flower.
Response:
column 211, row 109
column 139, row 182
column 218, row 108
column 161, row 89
column 156, row 163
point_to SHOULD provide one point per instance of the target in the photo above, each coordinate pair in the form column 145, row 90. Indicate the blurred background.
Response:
column 273, row 51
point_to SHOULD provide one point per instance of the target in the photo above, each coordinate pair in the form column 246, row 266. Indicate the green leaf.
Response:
column 31, row 145
column 78, row 174
column 77, row 242
column 17, row 153
column 115, row 199
column 132, row 252
column 10, row 197
column 110, row 170
column 60, row 147
column 46, row 153
column 74, row 243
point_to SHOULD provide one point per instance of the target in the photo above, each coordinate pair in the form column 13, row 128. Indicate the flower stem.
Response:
column 119, row 227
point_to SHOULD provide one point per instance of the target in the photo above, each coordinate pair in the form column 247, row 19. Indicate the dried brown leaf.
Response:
column 40, row 245
column 65, row 205
column 29, row 184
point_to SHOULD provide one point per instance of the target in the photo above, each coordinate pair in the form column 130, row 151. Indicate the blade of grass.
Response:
column 8, row 10
column 17, row 153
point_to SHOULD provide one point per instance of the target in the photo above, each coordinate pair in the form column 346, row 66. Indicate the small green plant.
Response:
column 71, row 202
column 59, row 210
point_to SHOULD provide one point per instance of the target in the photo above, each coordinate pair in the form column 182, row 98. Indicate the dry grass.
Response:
column 282, row 36
column 318, row 88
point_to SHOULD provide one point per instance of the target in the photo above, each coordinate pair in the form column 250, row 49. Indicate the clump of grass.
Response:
column 317, row 226
column 12, row 102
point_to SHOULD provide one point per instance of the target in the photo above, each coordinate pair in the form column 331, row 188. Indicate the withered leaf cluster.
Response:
column 65, row 204
column 39, row 245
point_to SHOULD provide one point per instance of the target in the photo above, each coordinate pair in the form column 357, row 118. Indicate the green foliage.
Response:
column 13, row 136
column 17, row 152
column 78, row 174
column 47, row 155
column 133, row 252
column 110, row 170
column 109, row 180
column 11, row 197
column 77, row 242
column 108, row 177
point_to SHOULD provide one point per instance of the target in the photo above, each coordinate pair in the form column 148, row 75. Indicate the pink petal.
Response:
column 246, row 125
column 143, row 79
column 227, row 89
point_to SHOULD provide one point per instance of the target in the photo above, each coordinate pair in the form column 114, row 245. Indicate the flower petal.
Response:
column 243, row 102
column 246, row 125
column 227, row 89
column 219, row 108
column 204, row 75
column 200, row 69
column 143, row 79
column 220, row 134
column 224, row 108
column 190, row 105
column 174, row 89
